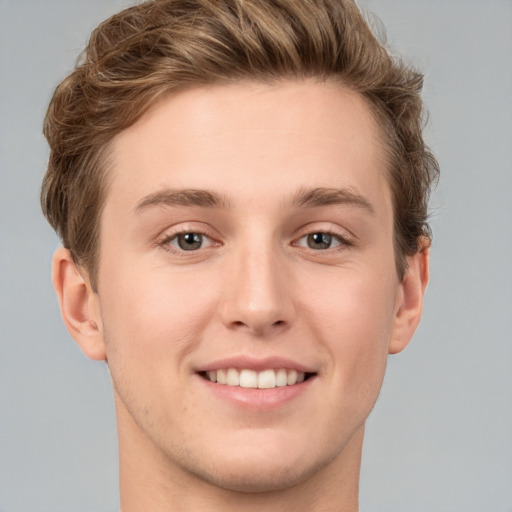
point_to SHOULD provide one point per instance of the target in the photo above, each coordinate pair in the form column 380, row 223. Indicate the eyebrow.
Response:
column 304, row 198
column 182, row 197
column 317, row 197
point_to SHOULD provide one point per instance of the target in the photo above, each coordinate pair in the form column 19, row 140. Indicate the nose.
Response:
column 257, row 294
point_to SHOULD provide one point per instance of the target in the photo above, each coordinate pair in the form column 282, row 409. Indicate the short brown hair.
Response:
column 146, row 51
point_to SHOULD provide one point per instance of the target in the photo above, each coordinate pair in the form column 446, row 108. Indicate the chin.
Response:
column 261, row 479
column 259, row 473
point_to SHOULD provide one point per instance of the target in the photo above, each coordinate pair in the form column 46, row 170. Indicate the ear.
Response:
column 79, row 305
column 410, row 299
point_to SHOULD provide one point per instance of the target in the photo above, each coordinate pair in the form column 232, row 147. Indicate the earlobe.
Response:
column 78, row 304
column 410, row 300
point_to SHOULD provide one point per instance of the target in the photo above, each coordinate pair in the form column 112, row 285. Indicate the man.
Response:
column 241, row 189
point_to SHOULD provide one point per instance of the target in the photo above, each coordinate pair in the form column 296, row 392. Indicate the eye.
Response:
column 188, row 241
column 321, row 241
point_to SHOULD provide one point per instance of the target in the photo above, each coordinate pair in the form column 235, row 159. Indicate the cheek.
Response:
column 154, row 318
column 357, row 315
column 151, row 322
column 355, row 303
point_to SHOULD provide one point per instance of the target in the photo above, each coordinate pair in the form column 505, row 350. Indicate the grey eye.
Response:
column 319, row 240
column 189, row 241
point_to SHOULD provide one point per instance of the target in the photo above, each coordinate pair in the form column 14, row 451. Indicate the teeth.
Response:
column 221, row 376
column 232, row 378
column 292, row 378
column 248, row 379
column 281, row 378
column 265, row 379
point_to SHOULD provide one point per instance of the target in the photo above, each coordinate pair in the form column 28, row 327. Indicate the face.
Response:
column 247, row 292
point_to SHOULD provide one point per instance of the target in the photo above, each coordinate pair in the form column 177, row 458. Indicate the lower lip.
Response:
column 255, row 398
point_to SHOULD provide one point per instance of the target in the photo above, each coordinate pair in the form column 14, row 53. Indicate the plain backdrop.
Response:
column 440, row 437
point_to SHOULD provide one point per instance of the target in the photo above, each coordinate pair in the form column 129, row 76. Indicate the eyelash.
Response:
column 165, row 242
column 343, row 241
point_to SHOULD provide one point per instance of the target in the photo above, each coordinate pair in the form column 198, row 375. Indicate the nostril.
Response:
column 258, row 326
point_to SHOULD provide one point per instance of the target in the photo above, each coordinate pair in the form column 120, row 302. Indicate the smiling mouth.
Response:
column 266, row 379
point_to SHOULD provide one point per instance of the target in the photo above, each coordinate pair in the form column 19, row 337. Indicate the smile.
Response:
column 247, row 378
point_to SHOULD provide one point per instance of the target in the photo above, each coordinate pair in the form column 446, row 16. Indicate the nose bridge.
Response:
column 257, row 297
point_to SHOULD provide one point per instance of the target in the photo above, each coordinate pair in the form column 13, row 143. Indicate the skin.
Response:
column 256, row 287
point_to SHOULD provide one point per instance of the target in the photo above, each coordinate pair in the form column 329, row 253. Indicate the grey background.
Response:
column 440, row 437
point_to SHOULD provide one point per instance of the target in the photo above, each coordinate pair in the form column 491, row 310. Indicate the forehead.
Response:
column 251, row 140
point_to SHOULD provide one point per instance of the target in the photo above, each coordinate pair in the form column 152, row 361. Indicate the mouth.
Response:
column 248, row 378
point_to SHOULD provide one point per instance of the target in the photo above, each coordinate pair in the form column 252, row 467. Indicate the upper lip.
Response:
column 256, row 364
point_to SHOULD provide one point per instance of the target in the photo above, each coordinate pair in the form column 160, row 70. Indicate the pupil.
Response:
column 319, row 241
column 189, row 241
